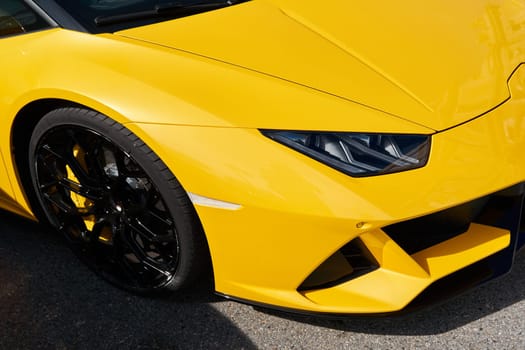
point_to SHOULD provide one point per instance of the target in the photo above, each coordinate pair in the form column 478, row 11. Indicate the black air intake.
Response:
column 349, row 262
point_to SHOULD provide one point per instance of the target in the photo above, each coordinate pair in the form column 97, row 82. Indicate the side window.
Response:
column 17, row 17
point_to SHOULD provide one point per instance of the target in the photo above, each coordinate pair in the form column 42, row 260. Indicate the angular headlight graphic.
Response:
column 359, row 154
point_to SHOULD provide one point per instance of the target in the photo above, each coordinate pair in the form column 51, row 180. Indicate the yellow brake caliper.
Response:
column 82, row 203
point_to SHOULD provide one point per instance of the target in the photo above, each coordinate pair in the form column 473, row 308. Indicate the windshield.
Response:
column 89, row 12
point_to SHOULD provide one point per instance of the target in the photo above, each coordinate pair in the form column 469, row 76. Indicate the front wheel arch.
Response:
column 34, row 116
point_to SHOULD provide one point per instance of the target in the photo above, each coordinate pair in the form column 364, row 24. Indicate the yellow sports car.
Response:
column 329, row 156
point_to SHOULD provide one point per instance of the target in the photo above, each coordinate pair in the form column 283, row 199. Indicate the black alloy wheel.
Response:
column 118, row 205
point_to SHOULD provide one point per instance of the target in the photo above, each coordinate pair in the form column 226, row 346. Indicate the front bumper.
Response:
column 295, row 213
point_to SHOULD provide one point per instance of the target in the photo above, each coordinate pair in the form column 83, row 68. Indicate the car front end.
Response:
column 289, row 231
column 341, row 158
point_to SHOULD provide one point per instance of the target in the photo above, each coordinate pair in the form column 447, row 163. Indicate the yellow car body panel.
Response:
column 465, row 52
column 198, row 89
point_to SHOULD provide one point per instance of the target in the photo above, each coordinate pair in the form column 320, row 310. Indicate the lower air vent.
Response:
column 349, row 262
column 423, row 232
column 500, row 209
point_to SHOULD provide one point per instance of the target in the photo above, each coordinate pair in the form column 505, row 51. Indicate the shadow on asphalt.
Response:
column 50, row 300
column 451, row 314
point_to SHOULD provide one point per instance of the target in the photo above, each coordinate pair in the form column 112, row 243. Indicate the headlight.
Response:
column 359, row 154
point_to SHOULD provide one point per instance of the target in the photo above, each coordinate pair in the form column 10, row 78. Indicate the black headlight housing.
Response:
column 358, row 154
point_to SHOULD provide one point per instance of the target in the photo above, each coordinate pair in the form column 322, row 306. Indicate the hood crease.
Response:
column 340, row 45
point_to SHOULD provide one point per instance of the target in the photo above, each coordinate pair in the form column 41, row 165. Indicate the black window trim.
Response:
column 55, row 14
column 40, row 12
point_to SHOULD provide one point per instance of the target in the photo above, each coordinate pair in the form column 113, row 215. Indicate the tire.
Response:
column 120, row 208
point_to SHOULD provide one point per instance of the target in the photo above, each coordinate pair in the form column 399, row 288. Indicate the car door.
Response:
column 18, row 19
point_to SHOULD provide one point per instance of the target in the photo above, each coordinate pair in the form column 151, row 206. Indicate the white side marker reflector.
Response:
column 214, row 203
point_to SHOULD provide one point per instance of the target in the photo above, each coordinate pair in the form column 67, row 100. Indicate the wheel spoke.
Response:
column 142, row 255
column 70, row 160
column 149, row 265
column 164, row 221
column 49, row 165
column 88, row 192
column 155, row 215
column 58, row 201
column 141, row 229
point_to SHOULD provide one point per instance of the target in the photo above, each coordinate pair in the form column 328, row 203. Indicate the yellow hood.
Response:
column 437, row 63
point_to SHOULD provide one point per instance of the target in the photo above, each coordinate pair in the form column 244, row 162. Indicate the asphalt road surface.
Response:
column 48, row 300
